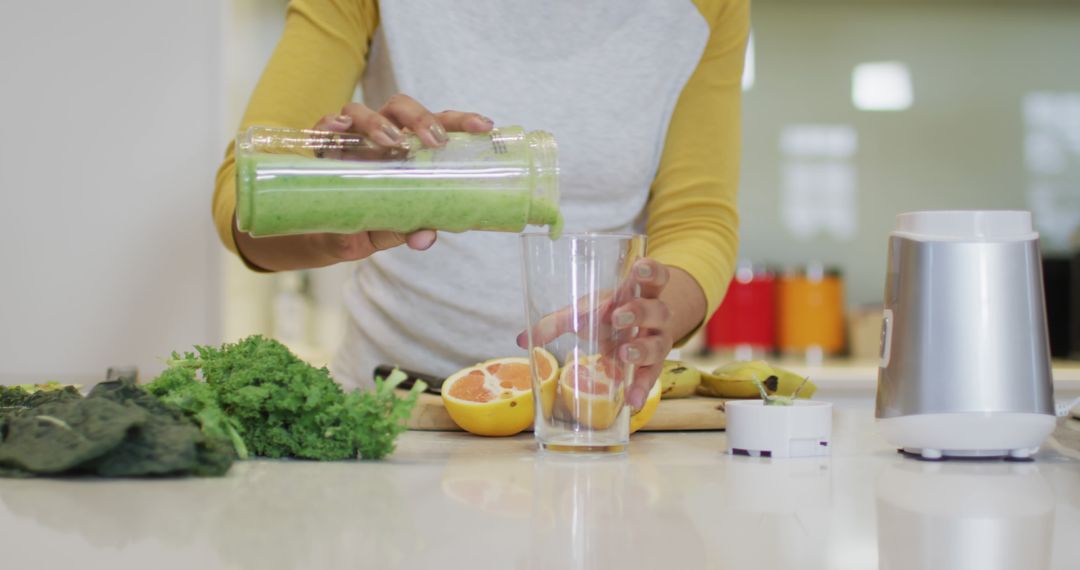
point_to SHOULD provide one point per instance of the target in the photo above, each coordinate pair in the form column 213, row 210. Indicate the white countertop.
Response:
column 450, row 500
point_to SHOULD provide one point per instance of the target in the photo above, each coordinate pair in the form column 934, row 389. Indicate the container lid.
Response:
column 966, row 225
column 813, row 271
column 747, row 271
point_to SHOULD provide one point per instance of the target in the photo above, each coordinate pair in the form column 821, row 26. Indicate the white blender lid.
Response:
column 966, row 225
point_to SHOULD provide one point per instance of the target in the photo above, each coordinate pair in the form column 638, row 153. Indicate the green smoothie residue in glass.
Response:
column 455, row 188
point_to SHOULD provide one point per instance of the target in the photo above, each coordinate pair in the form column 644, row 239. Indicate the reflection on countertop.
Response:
column 266, row 514
column 448, row 500
column 975, row 515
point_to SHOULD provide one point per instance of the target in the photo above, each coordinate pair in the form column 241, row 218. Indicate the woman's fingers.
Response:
column 647, row 354
column 550, row 327
column 621, row 312
column 635, row 310
column 421, row 240
column 374, row 126
column 335, row 123
column 465, row 122
column 642, row 313
column 381, row 240
column 646, row 350
column 644, row 377
column 646, row 279
column 418, row 240
column 384, row 127
column 651, row 275
column 406, row 112
column 342, row 247
column 352, row 247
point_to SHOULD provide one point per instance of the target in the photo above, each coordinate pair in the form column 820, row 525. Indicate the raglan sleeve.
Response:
column 313, row 72
column 692, row 220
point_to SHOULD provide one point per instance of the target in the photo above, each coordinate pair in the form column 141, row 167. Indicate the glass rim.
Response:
column 582, row 236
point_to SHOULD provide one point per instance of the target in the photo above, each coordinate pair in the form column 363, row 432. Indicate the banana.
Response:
column 718, row 387
column 736, row 380
column 678, row 380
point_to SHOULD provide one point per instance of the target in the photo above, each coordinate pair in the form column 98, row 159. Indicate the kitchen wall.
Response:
column 994, row 122
column 260, row 303
column 115, row 116
column 108, row 143
column 251, row 31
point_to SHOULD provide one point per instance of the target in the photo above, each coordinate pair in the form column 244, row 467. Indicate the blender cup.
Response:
column 296, row 181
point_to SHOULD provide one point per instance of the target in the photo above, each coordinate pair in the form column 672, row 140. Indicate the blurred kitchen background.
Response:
column 115, row 116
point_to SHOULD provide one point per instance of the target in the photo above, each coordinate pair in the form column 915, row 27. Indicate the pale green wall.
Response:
column 959, row 146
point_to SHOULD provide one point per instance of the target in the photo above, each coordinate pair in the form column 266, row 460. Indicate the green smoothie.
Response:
column 280, row 194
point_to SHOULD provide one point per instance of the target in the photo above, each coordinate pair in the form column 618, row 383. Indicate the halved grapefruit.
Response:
column 591, row 391
column 495, row 397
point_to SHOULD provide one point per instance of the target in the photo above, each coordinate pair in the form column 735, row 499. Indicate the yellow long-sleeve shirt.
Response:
column 691, row 217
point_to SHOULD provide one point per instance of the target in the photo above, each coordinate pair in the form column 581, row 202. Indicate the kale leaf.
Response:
column 61, row 436
column 15, row 398
column 166, row 443
column 119, row 430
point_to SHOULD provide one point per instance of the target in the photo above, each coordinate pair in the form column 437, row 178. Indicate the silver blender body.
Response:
column 965, row 357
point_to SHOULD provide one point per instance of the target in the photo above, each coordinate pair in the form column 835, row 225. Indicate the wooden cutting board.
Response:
column 693, row 413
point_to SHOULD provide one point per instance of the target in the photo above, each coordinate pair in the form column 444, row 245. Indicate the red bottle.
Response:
column 746, row 319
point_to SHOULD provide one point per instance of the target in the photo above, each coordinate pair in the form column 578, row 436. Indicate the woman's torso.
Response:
column 603, row 77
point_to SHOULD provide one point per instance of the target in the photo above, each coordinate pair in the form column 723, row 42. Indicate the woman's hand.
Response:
column 652, row 317
column 385, row 127
column 669, row 306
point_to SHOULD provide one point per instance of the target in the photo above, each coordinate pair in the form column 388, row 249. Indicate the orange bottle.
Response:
column 810, row 309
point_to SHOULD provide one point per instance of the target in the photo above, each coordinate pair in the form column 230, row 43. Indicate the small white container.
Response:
column 803, row 429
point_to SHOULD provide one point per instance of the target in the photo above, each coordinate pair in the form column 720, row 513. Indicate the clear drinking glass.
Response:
column 572, row 285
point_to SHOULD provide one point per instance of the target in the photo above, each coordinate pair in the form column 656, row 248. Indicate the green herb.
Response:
column 273, row 404
column 178, row 386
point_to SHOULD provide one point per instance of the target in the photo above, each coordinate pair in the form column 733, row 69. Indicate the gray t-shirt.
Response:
column 603, row 77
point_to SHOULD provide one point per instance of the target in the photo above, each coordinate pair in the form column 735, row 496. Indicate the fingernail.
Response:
column 644, row 271
column 393, row 132
column 486, row 120
column 523, row 340
column 343, row 120
column 439, row 133
column 427, row 241
column 624, row 318
column 633, row 354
